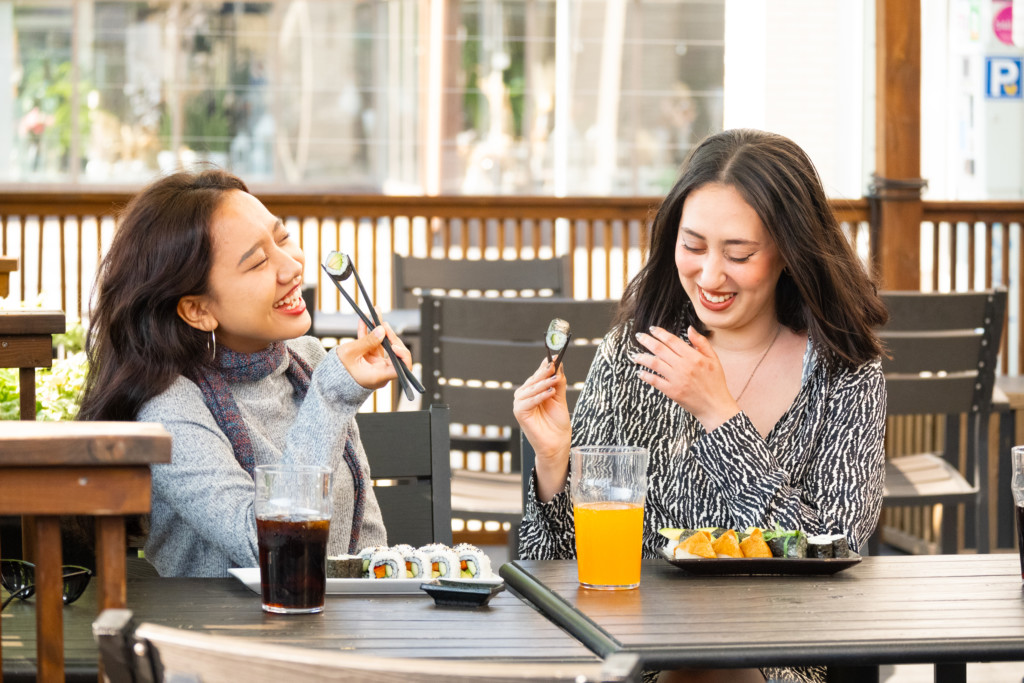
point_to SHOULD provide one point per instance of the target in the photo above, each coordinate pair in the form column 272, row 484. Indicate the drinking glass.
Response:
column 608, row 489
column 1017, row 485
column 293, row 514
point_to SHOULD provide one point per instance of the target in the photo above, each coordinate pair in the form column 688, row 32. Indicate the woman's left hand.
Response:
column 689, row 374
column 368, row 362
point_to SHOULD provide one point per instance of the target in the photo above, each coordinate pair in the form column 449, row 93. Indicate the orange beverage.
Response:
column 609, row 537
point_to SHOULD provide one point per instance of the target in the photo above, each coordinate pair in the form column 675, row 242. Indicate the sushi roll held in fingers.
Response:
column 556, row 340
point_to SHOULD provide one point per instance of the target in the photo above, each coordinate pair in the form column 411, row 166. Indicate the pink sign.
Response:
column 1003, row 24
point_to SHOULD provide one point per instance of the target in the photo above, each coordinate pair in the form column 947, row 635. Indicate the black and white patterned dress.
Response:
column 820, row 469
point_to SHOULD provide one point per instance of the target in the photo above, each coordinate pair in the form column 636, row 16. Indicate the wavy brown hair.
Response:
column 137, row 343
column 824, row 290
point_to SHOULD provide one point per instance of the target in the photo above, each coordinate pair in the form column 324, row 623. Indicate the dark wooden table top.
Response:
column 907, row 609
column 392, row 626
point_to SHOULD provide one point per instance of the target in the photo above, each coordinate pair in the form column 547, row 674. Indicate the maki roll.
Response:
column 557, row 339
column 444, row 563
column 788, row 544
column 344, row 567
column 473, row 563
column 365, row 554
column 338, row 264
column 828, row 545
column 417, row 564
column 386, row 563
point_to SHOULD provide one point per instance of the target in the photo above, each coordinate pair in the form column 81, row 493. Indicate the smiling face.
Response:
column 255, row 295
column 728, row 263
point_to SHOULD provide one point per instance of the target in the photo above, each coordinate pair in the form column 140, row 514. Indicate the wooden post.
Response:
column 897, row 185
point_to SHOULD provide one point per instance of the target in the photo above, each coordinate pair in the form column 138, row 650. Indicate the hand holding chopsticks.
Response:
column 339, row 267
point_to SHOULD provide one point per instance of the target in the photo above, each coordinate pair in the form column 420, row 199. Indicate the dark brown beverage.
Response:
column 293, row 563
column 1020, row 537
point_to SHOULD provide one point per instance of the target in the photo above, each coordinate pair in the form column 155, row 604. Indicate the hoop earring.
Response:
column 212, row 345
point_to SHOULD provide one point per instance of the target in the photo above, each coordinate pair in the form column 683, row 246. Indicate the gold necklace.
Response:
column 761, row 360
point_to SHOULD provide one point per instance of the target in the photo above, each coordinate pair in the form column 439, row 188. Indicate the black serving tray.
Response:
column 768, row 566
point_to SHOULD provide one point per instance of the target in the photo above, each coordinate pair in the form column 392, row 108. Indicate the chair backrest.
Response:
column 490, row 346
column 410, row 464
column 943, row 349
column 157, row 653
column 414, row 277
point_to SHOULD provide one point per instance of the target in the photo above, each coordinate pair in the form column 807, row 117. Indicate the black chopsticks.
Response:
column 341, row 267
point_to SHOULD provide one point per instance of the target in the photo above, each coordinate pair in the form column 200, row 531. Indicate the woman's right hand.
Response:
column 542, row 412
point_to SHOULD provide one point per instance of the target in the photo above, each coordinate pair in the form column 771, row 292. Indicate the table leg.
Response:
column 111, row 552
column 955, row 672
column 49, row 600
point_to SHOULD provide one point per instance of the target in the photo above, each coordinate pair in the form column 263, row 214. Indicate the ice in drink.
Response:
column 293, row 559
column 608, row 543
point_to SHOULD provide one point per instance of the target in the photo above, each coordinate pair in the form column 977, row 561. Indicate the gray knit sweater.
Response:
column 202, row 521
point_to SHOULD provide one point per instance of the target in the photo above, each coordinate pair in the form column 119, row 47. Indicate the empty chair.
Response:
column 414, row 277
column 411, row 277
column 476, row 351
column 943, row 349
column 159, row 653
column 409, row 460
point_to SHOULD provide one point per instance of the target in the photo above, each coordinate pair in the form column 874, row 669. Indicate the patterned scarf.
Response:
column 252, row 367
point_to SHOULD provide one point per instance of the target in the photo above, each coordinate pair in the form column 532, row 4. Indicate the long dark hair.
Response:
column 823, row 289
column 138, row 344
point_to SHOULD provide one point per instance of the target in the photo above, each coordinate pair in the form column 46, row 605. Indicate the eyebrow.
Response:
column 739, row 242
column 278, row 225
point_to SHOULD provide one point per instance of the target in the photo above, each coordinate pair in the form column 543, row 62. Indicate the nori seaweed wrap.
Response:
column 788, row 544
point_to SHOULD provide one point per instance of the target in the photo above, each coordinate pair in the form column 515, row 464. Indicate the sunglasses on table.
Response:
column 19, row 578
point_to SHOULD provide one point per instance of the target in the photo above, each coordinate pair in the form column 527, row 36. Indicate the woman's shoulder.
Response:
column 176, row 401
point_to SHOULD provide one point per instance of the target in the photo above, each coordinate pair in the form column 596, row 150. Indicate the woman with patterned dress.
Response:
column 744, row 359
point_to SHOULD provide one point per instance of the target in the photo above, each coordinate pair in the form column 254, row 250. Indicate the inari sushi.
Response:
column 696, row 545
column 754, row 544
column 727, row 545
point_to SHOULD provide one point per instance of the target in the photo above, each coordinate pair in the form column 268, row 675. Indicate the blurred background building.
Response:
column 532, row 97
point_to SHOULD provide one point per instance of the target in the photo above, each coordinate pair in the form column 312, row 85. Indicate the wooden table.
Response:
column 48, row 469
column 391, row 626
column 940, row 609
column 26, row 343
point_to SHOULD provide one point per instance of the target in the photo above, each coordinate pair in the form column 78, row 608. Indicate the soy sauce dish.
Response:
column 463, row 592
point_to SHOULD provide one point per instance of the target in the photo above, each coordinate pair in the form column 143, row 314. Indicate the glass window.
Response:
column 394, row 96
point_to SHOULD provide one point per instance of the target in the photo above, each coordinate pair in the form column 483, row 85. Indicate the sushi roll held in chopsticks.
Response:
column 338, row 265
column 557, row 340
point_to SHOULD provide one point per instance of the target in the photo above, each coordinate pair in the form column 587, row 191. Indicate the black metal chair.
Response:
column 409, row 461
column 943, row 349
column 476, row 352
column 150, row 653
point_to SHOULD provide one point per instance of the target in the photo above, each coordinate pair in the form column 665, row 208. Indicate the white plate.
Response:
column 250, row 576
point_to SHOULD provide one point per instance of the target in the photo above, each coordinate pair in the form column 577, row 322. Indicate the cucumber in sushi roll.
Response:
column 557, row 335
column 417, row 564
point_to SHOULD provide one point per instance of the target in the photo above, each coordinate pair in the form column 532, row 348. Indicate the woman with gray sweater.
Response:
column 197, row 325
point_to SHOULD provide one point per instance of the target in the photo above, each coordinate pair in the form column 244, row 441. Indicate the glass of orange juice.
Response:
column 608, row 488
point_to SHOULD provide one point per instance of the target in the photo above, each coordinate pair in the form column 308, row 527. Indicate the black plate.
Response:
column 772, row 566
